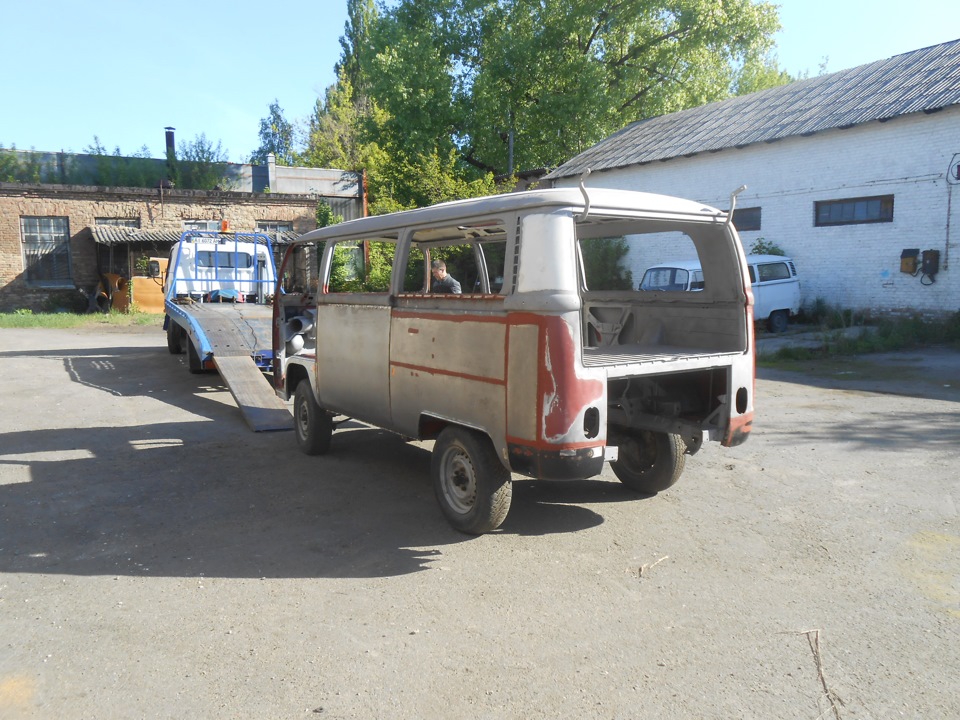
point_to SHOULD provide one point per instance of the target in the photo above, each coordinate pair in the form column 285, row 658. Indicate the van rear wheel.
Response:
column 778, row 321
column 313, row 424
column 471, row 484
column 648, row 461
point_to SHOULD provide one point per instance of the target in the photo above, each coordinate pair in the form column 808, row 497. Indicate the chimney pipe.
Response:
column 171, row 149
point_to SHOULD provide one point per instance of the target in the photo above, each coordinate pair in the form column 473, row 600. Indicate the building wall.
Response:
column 854, row 266
column 82, row 205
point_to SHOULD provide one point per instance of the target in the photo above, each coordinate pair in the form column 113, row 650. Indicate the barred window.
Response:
column 274, row 226
column 46, row 251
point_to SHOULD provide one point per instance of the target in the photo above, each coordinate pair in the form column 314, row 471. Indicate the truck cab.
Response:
column 547, row 364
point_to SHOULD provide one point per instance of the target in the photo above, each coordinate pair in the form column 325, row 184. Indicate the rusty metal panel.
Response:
column 458, row 344
column 449, row 366
column 352, row 359
column 522, row 368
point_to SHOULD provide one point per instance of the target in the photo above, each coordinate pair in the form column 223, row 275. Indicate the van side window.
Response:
column 474, row 254
column 773, row 271
column 362, row 266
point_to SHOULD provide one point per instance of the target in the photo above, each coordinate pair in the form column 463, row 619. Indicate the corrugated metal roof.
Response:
column 924, row 80
column 114, row 235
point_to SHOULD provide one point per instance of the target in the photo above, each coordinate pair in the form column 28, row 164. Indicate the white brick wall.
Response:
column 855, row 266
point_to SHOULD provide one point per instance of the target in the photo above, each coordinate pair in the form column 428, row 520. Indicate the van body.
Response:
column 773, row 280
column 547, row 365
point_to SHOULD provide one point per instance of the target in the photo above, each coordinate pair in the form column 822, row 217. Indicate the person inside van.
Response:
column 443, row 283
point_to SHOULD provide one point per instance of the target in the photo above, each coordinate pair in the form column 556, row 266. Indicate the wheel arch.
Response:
column 295, row 374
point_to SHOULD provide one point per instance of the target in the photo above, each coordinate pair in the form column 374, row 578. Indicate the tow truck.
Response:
column 218, row 294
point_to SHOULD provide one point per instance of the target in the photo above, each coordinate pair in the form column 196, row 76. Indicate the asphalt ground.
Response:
column 159, row 560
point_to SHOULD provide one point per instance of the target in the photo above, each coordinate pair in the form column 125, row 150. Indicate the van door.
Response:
column 775, row 288
column 353, row 329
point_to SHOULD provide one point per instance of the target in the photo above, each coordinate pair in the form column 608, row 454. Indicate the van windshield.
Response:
column 665, row 278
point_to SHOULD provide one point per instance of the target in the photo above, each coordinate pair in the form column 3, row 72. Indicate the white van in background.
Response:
column 773, row 278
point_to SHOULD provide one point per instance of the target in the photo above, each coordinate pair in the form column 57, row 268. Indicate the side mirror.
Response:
column 153, row 269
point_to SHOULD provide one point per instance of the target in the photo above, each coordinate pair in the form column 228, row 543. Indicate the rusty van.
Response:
column 548, row 363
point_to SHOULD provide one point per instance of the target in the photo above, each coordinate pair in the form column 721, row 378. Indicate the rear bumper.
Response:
column 555, row 464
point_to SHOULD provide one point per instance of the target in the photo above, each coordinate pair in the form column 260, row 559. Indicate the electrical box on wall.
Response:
column 908, row 260
column 930, row 263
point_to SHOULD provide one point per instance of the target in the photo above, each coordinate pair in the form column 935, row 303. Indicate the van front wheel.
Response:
column 313, row 424
column 471, row 484
column 649, row 461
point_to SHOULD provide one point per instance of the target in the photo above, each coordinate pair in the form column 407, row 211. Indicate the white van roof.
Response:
column 692, row 265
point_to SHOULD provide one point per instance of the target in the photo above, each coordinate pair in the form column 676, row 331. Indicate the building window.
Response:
column 274, row 226
column 852, row 211
column 746, row 219
column 119, row 222
column 210, row 225
column 46, row 251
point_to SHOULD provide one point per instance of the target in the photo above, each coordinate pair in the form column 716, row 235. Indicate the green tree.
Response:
column 276, row 137
column 555, row 76
column 603, row 264
column 201, row 164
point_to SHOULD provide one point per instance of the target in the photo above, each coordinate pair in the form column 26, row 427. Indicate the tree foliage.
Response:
column 201, row 165
column 276, row 137
column 432, row 95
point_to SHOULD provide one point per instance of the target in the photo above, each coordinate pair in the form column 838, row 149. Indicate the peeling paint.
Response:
column 566, row 394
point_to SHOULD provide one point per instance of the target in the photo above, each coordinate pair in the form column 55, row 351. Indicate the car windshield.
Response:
column 665, row 278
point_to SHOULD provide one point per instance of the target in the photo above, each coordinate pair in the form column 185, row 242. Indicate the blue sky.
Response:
column 125, row 69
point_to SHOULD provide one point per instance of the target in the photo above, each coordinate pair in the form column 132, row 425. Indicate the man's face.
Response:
column 438, row 273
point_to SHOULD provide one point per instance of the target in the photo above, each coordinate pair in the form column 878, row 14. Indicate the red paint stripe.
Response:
column 444, row 317
column 448, row 373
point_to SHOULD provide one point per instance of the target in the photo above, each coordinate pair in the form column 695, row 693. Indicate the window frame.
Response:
column 884, row 215
column 748, row 213
column 60, row 243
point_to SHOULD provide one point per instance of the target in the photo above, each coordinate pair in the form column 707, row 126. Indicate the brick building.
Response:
column 57, row 240
column 845, row 172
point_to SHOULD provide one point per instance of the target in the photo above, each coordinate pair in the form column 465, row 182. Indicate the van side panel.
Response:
column 448, row 366
column 524, row 344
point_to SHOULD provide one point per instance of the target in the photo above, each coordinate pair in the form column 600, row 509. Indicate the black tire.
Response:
column 778, row 321
column 174, row 338
column 471, row 484
column 193, row 358
column 313, row 425
column 649, row 461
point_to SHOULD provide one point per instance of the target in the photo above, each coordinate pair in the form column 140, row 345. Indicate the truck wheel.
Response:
column 313, row 424
column 174, row 338
column 778, row 321
column 649, row 461
column 193, row 358
column 471, row 484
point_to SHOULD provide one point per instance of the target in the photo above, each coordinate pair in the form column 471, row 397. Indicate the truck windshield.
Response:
column 209, row 258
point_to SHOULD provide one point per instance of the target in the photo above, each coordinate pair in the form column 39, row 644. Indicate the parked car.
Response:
column 773, row 279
